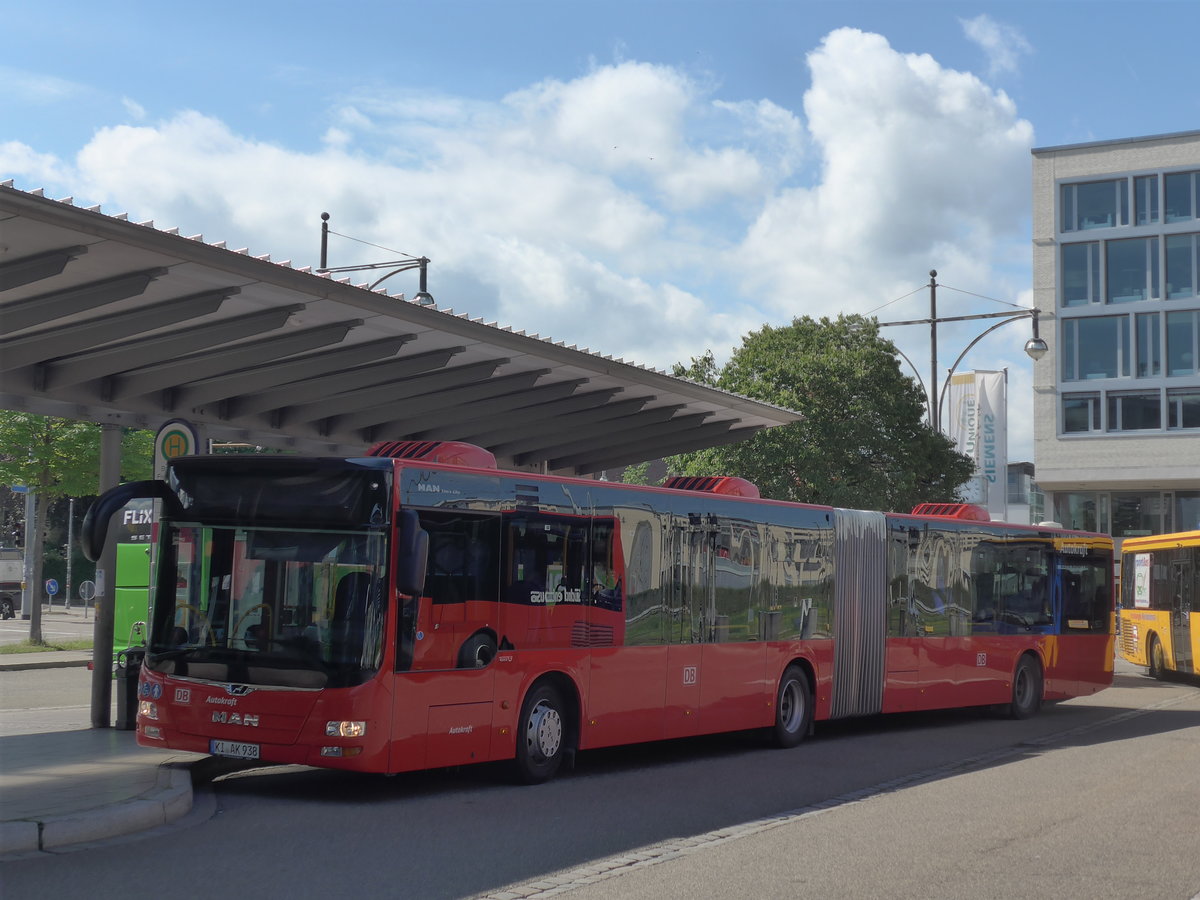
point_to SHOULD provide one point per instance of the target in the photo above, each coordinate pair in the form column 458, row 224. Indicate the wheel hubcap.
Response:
column 791, row 706
column 543, row 734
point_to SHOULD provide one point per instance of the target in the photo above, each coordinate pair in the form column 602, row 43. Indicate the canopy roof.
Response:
column 105, row 320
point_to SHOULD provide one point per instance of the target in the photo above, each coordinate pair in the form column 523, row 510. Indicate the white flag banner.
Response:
column 978, row 425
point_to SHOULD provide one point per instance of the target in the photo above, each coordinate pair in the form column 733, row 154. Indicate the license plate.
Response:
column 233, row 749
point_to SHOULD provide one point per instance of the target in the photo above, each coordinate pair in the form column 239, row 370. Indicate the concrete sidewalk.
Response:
column 64, row 788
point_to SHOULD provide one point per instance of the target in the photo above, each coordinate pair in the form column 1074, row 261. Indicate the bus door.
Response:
column 446, row 645
column 1182, row 603
column 734, row 687
column 689, row 546
column 627, row 608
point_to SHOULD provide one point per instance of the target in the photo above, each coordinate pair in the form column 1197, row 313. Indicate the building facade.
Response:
column 1116, row 277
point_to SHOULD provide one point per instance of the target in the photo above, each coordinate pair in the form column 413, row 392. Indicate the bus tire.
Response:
column 541, row 735
column 1156, row 659
column 793, row 708
column 7, row 610
column 477, row 651
column 1026, row 689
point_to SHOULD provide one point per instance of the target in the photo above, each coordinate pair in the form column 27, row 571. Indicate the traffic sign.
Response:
column 87, row 590
column 51, row 586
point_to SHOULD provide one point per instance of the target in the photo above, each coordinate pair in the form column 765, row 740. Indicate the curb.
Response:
column 7, row 666
column 170, row 799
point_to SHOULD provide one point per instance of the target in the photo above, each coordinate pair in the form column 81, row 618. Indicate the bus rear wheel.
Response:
column 1157, row 659
column 7, row 610
column 1026, row 689
column 793, row 708
column 540, row 735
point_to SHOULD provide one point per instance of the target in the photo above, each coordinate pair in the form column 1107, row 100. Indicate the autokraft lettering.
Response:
column 222, row 701
column 221, row 717
column 462, row 729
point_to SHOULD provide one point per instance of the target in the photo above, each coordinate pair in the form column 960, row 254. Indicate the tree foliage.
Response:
column 58, row 458
column 863, row 442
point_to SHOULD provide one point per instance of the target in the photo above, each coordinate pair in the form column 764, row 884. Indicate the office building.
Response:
column 1116, row 277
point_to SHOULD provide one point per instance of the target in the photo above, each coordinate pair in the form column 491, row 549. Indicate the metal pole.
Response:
column 934, row 418
column 106, row 590
column 70, row 542
column 324, row 240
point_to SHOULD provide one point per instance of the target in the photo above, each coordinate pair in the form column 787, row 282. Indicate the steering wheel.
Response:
column 205, row 625
column 246, row 615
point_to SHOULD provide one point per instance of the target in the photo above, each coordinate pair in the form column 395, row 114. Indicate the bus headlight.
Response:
column 148, row 709
column 345, row 729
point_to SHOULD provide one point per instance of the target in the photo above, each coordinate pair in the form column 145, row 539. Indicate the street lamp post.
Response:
column 1035, row 347
column 422, row 297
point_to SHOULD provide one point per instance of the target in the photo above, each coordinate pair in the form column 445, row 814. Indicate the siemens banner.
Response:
column 978, row 425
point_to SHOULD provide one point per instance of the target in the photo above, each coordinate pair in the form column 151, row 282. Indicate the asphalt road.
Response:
column 1094, row 798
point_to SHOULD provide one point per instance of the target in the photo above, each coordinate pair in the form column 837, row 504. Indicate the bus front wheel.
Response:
column 540, row 735
column 1157, row 659
column 1026, row 689
column 793, row 708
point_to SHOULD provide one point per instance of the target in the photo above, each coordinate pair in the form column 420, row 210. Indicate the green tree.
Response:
column 862, row 443
column 57, row 458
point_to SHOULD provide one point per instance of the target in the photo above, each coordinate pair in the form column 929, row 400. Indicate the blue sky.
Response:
column 648, row 180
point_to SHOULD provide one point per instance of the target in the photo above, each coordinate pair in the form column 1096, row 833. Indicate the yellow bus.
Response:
column 1160, row 602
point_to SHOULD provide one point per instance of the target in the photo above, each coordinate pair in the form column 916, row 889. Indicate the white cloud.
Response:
column 921, row 167
column 36, row 88
column 136, row 111
column 1003, row 44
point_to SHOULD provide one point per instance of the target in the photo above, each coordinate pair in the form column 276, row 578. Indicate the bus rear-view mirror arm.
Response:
column 95, row 523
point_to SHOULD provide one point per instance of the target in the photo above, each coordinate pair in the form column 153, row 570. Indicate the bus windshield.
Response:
column 302, row 608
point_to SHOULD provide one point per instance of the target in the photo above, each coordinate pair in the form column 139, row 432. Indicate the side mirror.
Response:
column 95, row 523
column 412, row 554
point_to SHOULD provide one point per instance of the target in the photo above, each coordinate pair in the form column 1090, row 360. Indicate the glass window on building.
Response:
column 1182, row 263
column 1081, row 413
column 1181, row 196
column 1187, row 511
column 1145, row 200
column 1095, row 347
column 1129, row 411
column 1095, row 204
column 1080, row 511
column 1149, row 354
column 1182, row 341
column 1081, row 274
column 1183, row 408
column 1135, row 514
column 1132, row 270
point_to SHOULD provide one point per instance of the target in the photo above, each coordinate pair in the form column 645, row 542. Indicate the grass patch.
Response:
column 30, row 647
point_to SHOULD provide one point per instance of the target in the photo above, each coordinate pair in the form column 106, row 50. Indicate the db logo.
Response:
column 689, row 674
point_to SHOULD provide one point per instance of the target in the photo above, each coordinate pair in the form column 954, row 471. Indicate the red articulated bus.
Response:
column 419, row 608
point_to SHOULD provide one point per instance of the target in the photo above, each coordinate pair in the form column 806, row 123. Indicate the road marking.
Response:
column 561, row 882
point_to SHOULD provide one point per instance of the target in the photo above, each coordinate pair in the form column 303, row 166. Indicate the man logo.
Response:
column 221, row 717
